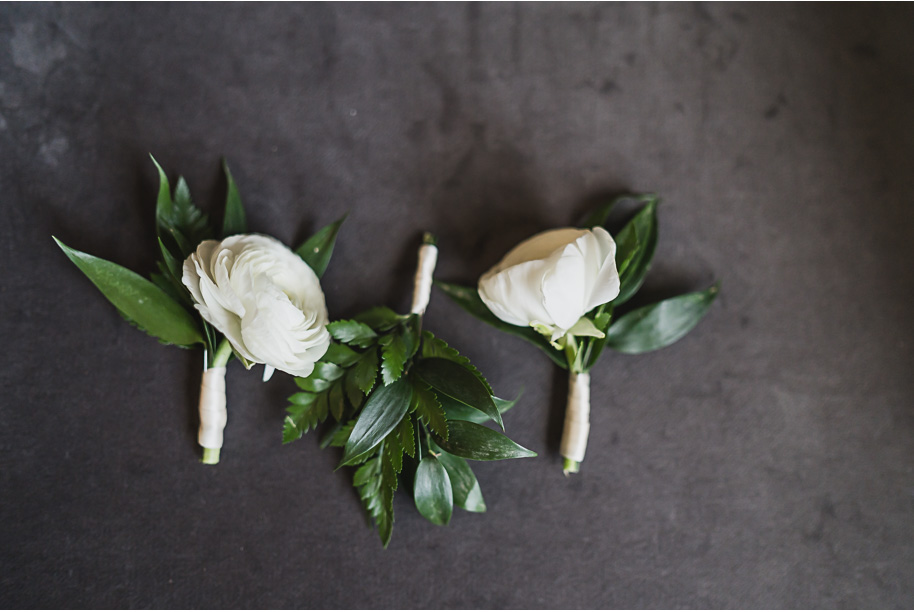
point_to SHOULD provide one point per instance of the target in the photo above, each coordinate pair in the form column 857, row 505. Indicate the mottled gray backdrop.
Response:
column 765, row 460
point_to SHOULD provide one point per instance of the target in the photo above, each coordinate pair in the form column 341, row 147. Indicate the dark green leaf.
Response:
column 407, row 437
column 365, row 372
column 303, row 399
column 456, row 382
column 352, row 332
column 472, row 441
column 336, row 402
column 138, row 299
column 393, row 358
column 436, row 347
column 659, row 325
column 327, row 371
column 467, row 493
column 380, row 318
column 457, row 411
column 341, row 434
column 432, row 491
column 393, row 449
column 313, row 384
column 341, row 355
column 627, row 247
column 376, row 491
column 644, row 226
column 427, row 407
column 234, row 221
column 469, row 300
column 303, row 417
column 316, row 251
column 381, row 413
column 353, row 393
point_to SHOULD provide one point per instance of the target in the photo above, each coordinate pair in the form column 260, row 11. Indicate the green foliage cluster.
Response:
column 640, row 330
column 403, row 403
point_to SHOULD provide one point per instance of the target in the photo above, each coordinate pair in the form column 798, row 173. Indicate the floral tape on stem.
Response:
column 428, row 257
column 577, row 421
column 212, row 413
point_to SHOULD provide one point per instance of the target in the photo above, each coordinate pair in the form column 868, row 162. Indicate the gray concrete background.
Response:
column 765, row 460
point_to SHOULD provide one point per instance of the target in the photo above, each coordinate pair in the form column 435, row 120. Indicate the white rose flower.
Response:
column 550, row 281
column 263, row 298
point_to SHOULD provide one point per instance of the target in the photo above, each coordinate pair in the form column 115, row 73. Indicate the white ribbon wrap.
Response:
column 577, row 417
column 212, row 408
column 422, row 289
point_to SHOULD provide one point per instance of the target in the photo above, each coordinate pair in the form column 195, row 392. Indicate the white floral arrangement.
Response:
column 560, row 290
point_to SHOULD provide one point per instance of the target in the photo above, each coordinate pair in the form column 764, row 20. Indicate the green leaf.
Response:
column 600, row 215
column 469, row 300
column 661, row 324
column 467, row 493
column 138, row 299
column 365, row 372
column 234, row 220
column 393, row 358
column 432, row 491
column 340, row 435
column 313, row 384
column 436, row 347
column 376, row 491
column 644, row 226
column 353, row 393
column 187, row 219
column 407, row 437
column 381, row 413
column 327, row 371
column 335, row 401
column 454, row 381
column 380, row 318
column 477, row 442
column 425, row 403
column 627, row 247
column 317, row 250
column 341, row 355
column 352, row 332
column 457, row 411
column 303, row 416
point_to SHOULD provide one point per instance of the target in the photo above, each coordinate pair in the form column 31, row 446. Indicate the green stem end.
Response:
column 570, row 466
column 211, row 456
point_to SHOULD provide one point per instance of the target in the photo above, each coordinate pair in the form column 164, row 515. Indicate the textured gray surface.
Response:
column 765, row 460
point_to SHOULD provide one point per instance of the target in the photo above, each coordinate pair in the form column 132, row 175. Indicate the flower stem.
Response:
column 222, row 355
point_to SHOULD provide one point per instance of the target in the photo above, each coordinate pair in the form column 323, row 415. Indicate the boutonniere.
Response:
column 238, row 295
column 560, row 290
column 403, row 405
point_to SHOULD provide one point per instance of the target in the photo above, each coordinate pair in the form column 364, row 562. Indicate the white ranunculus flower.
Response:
column 263, row 298
column 550, row 281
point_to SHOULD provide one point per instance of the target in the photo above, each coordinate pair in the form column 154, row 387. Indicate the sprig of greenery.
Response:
column 396, row 391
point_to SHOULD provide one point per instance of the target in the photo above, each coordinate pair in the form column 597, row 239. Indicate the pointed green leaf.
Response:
column 454, row 381
column 659, row 325
column 341, row 355
column 381, row 413
column 335, row 401
column 407, row 437
column 469, row 300
column 467, row 493
column 436, row 347
column 317, row 250
column 164, row 205
column 457, row 411
column 426, row 405
column 380, row 318
column 432, row 491
column 644, row 226
column 352, row 332
column 393, row 358
column 138, row 299
column 365, row 372
column 477, row 442
column 234, row 221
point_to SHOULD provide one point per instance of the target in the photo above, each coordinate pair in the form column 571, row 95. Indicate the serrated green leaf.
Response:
column 327, row 371
column 234, row 220
column 477, row 442
column 303, row 399
column 380, row 318
column 335, row 401
column 352, row 332
column 363, row 474
column 425, row 403
column 407, row 437
column 303, row 417
column 467, row 493
column 381, row 413
column 317, row 250
column 432, row 491
column 433, row 346
column 365, row 372
column 341, row 435
column 341, row 355
column 376, row 492
column 393, row 358
column 163, row 282
column 138, row 299
column 393, row 449
column 313, row 384
column 653, row 327
column 644, row 226
column 353, row 393
column 453, row 380
column 469, row 300
column 187, row 219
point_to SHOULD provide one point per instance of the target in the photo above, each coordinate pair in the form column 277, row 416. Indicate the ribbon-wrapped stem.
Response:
column 425, row 270
column 577, row 421
column 213, row 414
